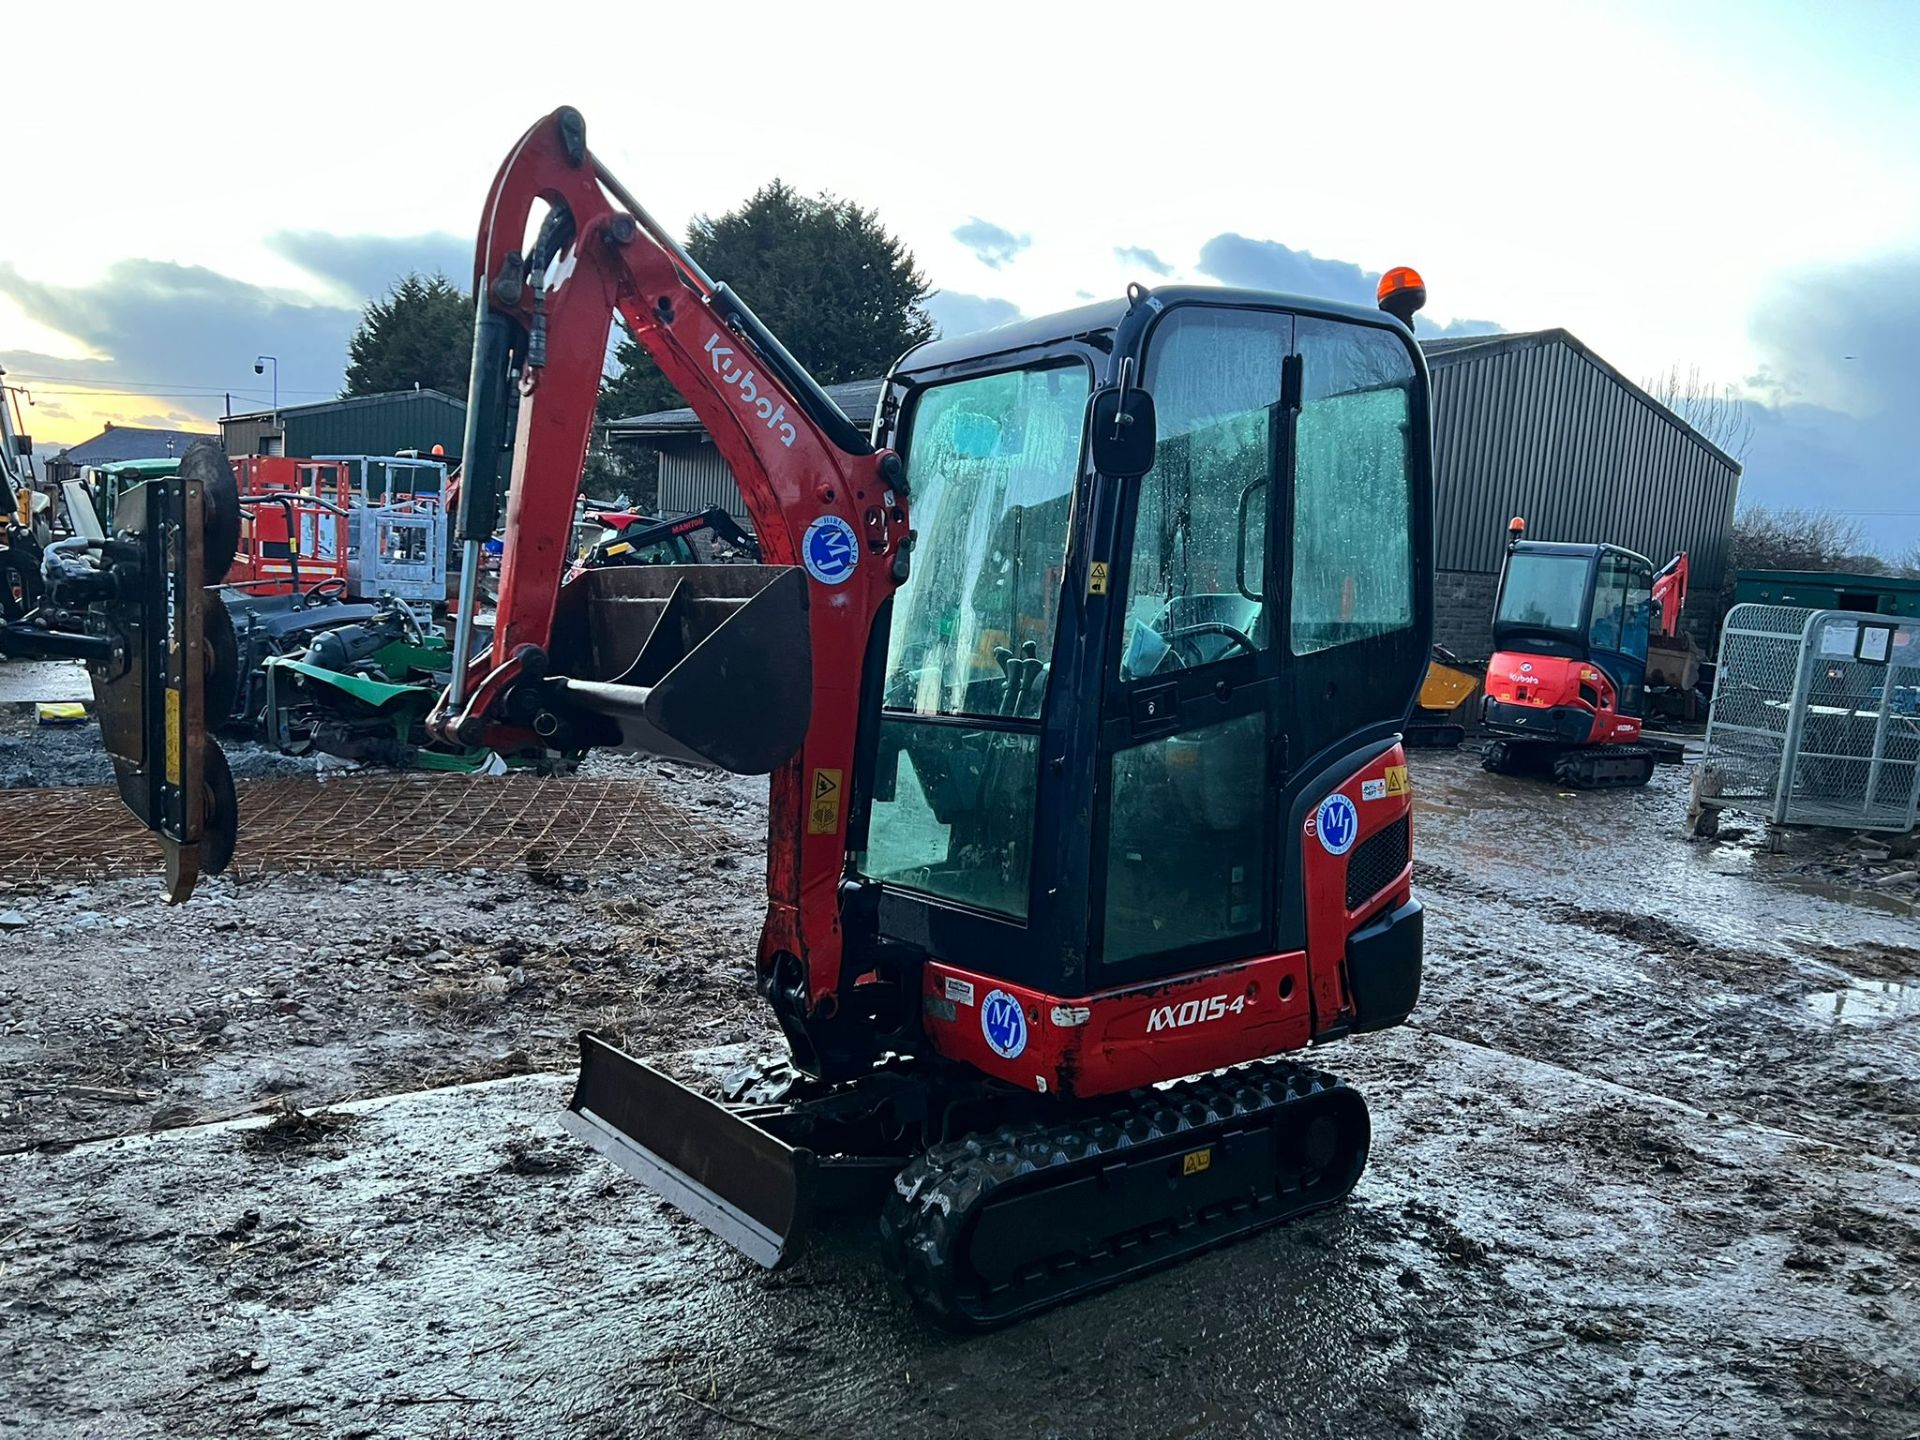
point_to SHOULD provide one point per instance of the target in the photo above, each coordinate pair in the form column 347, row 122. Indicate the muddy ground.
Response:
column 1647, row 1163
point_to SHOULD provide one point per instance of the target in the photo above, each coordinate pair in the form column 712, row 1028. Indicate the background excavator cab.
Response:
column 1570, row 632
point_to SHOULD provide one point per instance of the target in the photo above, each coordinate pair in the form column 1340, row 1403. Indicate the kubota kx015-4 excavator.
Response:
column 1080, row 685
column 1566, row 686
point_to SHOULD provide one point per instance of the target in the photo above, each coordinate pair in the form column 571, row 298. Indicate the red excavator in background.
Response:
column 1080, row 684
column 1566, row 685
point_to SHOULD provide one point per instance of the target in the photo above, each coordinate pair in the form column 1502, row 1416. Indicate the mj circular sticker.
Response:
column 1337, row 824
column 1002, row 1022
column 830, row 549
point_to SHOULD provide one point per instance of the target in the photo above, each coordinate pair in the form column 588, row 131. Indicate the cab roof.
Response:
column 1102, row 317
column 1571, row 547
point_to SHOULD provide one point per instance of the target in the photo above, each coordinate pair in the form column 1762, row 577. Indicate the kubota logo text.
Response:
column 747, row 383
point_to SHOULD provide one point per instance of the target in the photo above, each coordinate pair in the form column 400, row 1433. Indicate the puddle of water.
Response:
column 1846, row 894
column 1866, row 1002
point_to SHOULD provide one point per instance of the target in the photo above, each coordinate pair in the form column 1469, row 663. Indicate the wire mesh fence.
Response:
column 1815, row 719
column 359, row 823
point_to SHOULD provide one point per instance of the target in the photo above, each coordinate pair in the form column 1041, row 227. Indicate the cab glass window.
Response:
column 1196, row 583
column 992, row 463
column 1352, row 503
column 1544, row 591
column 1609, row 602
column 1639, row 612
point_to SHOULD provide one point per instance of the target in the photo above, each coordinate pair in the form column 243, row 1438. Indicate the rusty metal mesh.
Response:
column 370, row 822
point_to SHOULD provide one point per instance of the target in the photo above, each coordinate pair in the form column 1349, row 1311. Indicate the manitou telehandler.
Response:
column 1080, row 684
column 1566, row 685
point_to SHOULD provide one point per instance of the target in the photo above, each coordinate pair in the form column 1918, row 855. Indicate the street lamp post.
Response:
column 260, row 362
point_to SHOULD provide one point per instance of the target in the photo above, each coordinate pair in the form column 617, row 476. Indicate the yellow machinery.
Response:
column 1447, row 686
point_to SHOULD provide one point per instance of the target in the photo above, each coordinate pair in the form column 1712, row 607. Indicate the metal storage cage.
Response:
column 1815, row 721
column 397, row 533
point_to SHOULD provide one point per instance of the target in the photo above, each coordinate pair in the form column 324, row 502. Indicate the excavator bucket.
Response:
column 710, row 1161
column 171, row 538
column 709, row 664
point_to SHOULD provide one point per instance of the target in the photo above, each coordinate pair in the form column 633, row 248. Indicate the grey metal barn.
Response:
column 359, row 425
column 1537, row 425
column 1531, row 424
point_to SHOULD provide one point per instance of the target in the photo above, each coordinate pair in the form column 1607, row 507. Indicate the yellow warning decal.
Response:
column 1097, row 578
column 621, row 549
column 1397, row 780
column 1196, row 1161
column 173, row 736
column 823, row 813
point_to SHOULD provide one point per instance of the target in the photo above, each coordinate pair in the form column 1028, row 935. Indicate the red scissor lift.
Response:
column 293, row 533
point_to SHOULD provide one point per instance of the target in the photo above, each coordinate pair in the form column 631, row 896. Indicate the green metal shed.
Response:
column 1814, row 590
column 363, row 425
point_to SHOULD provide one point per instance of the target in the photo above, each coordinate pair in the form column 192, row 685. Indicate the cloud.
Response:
column 1811, row 457
column 1842, row 336
column 365, row 267
column 958, row 314
column 1268, row 265
column 1837, row 374
column 992, row 245
column 151, row 324
column 1142, row 257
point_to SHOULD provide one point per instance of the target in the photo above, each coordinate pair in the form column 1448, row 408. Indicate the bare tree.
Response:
column 1716, row 413
column 1907, row 566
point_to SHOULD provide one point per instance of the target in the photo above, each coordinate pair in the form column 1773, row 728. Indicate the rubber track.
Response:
column 1578, row 768
column 928, row 1218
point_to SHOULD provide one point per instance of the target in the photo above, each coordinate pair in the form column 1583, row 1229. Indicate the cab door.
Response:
column 1622, row 616
column 1272, row 628
column 1183, row 865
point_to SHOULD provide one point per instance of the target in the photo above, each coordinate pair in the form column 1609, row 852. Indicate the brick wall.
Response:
column 1463, row 612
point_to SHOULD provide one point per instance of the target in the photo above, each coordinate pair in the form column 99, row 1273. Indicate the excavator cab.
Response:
column 1566, row 686
column 1110, row 703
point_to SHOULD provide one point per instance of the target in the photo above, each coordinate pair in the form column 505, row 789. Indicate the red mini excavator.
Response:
column 1566, row 687
column 1080, row 684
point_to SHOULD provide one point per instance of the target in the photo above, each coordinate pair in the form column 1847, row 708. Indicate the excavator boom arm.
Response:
column 819, row 496
column 1670, row 594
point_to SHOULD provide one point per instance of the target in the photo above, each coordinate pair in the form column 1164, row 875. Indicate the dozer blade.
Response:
column 711, row 1163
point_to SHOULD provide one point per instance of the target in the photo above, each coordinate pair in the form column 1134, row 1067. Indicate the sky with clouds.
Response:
column 1732, row 186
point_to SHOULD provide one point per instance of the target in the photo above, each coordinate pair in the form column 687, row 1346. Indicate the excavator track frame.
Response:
column 1582, row 767
column 994, row 1227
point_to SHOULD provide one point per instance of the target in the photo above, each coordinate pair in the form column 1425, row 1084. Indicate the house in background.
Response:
column 1532, row 424
column 117, row 443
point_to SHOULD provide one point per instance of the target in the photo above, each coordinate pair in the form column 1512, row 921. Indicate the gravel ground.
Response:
column 1647, row 1162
